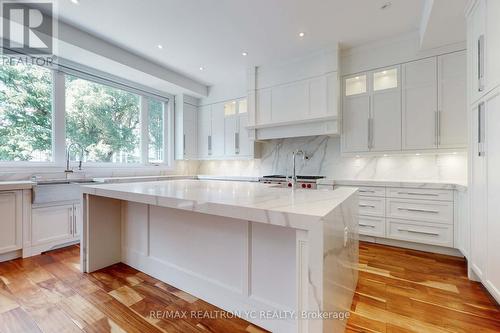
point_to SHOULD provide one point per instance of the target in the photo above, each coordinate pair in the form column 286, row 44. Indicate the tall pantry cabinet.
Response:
column 483, row 39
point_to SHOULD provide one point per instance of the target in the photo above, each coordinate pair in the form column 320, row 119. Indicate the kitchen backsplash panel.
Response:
column 325, row 159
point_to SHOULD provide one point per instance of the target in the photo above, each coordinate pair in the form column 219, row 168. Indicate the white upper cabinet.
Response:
column 419, row 105
column 204, row 131
column 190, row 131
column 356, row 115
column 217, row 134
column 223, row 132
column 185, row 131
column 452, row 100
column 483, row 29
column 420, row 115
column 292, row 96
column 372, row 111
column 385, row 118
column 11, row 224
column 231, row 129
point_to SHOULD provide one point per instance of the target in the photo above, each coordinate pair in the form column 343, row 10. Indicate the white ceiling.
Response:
column 214, row 33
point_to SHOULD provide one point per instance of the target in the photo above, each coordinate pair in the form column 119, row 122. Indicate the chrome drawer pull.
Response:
column 419, row 232
column 366, row 225
column 366, row 206
column 419, row 210
column 366, row 191
column 423, row 194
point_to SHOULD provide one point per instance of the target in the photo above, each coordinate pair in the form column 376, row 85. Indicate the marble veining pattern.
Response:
column 327, row 160
column 246, row 200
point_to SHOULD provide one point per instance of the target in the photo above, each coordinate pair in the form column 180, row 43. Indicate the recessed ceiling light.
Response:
column 76, row 2
column 385, row 155
column 160, row 46
column 386, row 5
column 302, row 34
column 357, row 77
column 244, row 54
column 417, row 154
column 202, row 68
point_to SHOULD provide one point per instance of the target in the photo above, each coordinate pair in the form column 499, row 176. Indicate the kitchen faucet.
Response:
column 68, row 150
column 294, row 155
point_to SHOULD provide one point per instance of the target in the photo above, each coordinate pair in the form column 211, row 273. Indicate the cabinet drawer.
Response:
column 420, row 232
column 371, row 191
column 418, row 193
column 420, row 210
column 372, row 226
column 372, row 206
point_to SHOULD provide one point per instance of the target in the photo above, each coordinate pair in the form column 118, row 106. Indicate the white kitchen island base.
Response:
column 270, row 266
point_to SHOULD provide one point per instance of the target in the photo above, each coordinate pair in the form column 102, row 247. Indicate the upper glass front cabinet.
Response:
column 386, row 79
column 355, row 85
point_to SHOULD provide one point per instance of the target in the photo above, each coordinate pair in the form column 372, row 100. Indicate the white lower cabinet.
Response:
column 372, row 226
column 53, row 226
column 420, row 232
column 485, row 191
column 415, row 215
column 11, row 221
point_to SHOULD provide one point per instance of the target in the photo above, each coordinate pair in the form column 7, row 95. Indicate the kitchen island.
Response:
column 280, row 258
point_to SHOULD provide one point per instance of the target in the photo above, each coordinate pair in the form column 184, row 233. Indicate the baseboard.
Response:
column 10, row 255
column 413, row 246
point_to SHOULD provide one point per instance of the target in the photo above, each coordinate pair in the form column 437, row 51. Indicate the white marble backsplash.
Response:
column 325, row 159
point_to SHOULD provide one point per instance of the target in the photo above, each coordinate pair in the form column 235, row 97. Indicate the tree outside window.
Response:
column 25, row 113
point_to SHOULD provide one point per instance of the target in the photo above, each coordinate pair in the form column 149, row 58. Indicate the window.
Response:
column 156, row 130
column 25, row 113
column 104, row 121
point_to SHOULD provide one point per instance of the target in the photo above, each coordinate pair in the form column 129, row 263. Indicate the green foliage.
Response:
column 25, row 113
column 103, row 120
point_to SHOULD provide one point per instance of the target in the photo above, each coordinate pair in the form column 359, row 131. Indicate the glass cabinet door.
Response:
column 356, row 85
column 385, row 79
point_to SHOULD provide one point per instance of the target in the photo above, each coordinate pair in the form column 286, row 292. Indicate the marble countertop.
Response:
column 245, row 200
column 132, row 179
column 16, row 185
column 431, row 184
column 230, row 178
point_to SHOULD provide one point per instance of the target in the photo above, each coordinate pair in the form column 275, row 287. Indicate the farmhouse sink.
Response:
column 58, row 190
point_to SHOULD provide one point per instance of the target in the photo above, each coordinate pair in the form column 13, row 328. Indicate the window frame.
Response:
column 59, row 73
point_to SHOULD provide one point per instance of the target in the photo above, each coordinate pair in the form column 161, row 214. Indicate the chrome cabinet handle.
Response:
column 370, row 133
column 184, row 144
column 480, row 63
column 74, row 222
column 419, row 210
column 366, row 206
column 481, row 135
column 366, row 191
column 366, row 225
column 209, row 145
column 422, row 194
column 237, row 143
column 439, row 127
column 71, row 221
column 419, row 232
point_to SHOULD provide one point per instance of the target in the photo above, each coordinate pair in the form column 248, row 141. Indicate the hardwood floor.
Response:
column 48, row 294
column 398, row 291
column 410, row 291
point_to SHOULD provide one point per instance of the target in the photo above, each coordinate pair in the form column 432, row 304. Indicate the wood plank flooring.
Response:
column 48, row 294
column 398, row 291
column 402, row 290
